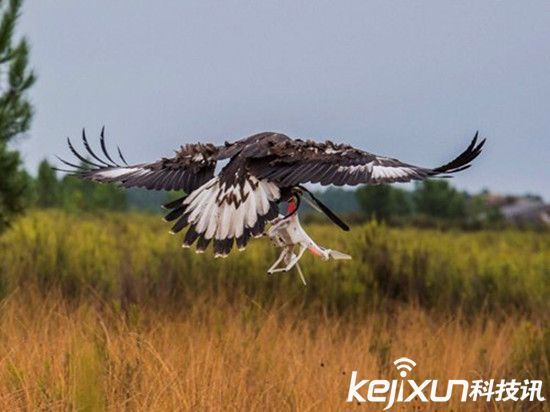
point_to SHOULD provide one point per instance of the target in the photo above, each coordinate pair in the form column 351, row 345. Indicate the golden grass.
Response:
column 216, row 355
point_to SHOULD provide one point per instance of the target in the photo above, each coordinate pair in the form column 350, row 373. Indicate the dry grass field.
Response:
column 221, row 356
column 108, row 313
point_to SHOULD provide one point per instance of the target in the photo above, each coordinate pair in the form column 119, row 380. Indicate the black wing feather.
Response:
column 186, row 171
column 297, row 162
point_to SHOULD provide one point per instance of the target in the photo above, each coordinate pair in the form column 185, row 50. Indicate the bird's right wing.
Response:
column 192, row 166
column 296, row 162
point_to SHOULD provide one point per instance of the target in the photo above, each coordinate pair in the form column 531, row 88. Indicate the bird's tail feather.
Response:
column 224, row 214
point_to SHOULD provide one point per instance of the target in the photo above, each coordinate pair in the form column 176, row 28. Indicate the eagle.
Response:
column 230, row 207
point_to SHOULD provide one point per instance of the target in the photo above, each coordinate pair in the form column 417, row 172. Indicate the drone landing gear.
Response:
column 290, row 259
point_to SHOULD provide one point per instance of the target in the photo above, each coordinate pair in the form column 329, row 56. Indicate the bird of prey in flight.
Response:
column 262, row 171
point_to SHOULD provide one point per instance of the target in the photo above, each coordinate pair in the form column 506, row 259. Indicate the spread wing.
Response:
column 295, row 162
column 192, row 166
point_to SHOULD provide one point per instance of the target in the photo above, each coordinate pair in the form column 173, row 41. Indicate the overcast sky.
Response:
column 406, row 79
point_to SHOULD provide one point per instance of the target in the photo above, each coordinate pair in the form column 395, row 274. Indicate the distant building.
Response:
column 526, row 210
column 530, row 209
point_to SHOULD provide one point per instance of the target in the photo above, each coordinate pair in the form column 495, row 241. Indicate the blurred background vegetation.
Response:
column 130, row 258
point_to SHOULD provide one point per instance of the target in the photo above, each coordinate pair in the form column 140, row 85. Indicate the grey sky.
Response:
column 407, row 79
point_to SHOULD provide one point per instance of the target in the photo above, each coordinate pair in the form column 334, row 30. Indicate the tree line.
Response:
column 430, row 203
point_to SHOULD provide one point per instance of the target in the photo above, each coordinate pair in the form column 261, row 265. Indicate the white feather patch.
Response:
column 385, row 172
column 377, row 172
column 117, row 172
column 227, row 220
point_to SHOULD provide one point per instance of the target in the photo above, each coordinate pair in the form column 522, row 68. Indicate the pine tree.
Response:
column 438, row 199
column 15, row 111
column 383, row 202
column 47, row 189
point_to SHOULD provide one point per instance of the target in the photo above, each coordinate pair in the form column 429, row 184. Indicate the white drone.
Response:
column 287, row 233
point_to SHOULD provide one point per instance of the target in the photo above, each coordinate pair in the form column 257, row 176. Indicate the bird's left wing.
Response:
column 192, row 166
column 296, row 162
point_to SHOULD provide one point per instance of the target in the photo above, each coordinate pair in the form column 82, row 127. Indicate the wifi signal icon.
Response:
column 403, row 365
